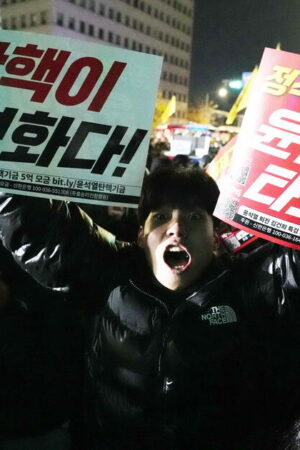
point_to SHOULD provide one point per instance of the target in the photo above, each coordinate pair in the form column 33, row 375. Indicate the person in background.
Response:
column 120, row 221
column 160, row 162
column 41, row 361
column 185, row 349
column 183, row 162
column 157, row 147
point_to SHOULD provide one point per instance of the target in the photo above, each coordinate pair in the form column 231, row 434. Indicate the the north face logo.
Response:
column 219, row 315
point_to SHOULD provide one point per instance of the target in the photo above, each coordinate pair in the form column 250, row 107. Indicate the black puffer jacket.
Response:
column 41, row 353
column 214, row 367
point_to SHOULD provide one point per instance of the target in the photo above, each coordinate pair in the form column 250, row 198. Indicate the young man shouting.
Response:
column 186, row 349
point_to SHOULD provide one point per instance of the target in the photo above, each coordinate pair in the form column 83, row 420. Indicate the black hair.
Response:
column 181, row 161
column 177, row 187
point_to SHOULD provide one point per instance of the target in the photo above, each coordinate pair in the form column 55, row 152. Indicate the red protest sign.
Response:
column 262, row 188
column 236, row 240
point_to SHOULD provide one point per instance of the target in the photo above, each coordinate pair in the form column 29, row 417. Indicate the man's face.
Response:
column 179, row 244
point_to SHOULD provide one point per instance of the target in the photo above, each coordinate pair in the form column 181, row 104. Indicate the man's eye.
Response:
column 195, row 216
column 158, row 217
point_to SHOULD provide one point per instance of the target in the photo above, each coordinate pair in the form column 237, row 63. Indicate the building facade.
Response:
column 162, row 27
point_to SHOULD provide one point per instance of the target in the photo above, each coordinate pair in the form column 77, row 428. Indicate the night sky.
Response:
column 230, row 36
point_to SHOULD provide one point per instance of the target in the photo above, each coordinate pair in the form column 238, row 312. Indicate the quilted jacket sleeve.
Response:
column 272, row 281
column 56, row 242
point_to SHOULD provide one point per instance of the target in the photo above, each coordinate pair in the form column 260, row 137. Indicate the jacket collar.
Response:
column 201, row 292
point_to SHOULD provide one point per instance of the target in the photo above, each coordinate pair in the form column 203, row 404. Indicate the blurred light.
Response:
column 235, row 84
column 245, row 77
column 222, row 92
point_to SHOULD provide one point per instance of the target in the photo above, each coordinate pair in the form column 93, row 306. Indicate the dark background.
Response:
column 229, row 37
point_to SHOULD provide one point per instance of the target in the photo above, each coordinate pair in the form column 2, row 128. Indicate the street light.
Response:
column 223, row 92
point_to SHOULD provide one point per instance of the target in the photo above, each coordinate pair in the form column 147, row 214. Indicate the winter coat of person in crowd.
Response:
column 186, row 349
column 41, row 361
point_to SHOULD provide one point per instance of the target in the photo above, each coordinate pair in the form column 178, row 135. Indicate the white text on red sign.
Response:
column 281, row 140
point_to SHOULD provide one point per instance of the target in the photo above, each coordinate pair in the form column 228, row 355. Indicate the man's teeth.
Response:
column 176, row 258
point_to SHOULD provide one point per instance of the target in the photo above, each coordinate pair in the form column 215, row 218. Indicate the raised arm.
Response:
column 272, row 283
column 56, row 242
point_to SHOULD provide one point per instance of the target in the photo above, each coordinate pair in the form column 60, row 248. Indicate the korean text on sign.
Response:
column 75, row 110
column 43, row 68
column 263, row 193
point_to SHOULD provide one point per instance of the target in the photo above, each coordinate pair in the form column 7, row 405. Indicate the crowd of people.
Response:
column 137, row 331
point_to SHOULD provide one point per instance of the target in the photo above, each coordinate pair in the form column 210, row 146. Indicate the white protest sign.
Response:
column 74, row 118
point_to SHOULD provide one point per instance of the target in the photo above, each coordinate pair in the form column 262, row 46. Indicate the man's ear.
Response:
column 141, row 237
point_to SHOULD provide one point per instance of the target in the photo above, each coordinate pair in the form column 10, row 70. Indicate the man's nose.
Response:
column 177, row 227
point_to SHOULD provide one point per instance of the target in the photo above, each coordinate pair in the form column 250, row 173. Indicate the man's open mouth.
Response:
column 177, row 258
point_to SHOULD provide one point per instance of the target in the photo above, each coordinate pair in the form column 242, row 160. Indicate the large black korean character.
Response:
column 113, row 147
column 58, row 139
column 33, row 133
column 30, row 134
column 69, row 158
column 6, row 118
